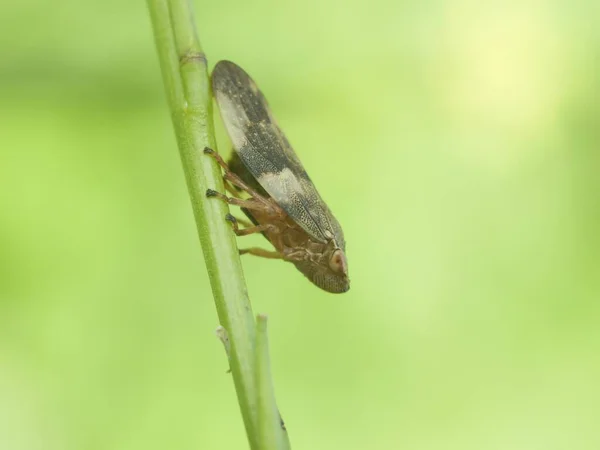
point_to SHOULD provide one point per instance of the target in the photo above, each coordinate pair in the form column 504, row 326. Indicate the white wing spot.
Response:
column 235, row 120
column 280, row 185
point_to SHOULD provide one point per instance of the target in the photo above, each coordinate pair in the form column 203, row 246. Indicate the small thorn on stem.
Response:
column 224, row 338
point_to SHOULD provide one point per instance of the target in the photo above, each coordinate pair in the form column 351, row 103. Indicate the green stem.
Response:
column 271, row 431
column 187, row 85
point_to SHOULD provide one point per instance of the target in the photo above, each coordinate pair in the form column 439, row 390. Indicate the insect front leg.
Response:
column 229, row 187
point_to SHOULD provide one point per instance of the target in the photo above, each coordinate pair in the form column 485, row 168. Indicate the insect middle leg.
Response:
column 251, row 204
column 234, row 179
column 250, row 230
column 245, row 222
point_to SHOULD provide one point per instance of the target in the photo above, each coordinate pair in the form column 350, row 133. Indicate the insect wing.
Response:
column 267, row 154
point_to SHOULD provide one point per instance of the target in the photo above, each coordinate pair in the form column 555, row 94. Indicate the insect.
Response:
column 278, row 197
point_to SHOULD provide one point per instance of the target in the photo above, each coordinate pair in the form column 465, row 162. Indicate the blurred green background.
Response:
column 457, row 143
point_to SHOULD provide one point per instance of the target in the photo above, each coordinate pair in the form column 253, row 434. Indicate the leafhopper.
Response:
column 267, row 180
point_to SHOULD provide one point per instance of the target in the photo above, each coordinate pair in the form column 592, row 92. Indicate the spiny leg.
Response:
column 256, row 251
column 249, row 230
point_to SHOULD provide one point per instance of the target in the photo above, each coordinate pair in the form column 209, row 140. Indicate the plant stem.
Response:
column 270, row 428
column 187, row 85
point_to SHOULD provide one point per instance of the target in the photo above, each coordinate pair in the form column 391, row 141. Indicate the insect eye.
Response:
column 337, row 263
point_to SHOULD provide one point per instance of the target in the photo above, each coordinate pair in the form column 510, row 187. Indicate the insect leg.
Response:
column 250, row 203
column 229, row 188
column 217, row 158
column 261, row 252
column 237, row 181
column 233, row 178
column 246, row 231
column 244, row 222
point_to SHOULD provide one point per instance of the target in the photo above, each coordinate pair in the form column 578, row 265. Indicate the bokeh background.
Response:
column 456, row 141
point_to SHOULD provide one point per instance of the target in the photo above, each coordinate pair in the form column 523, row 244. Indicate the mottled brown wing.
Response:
column 265, row 151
